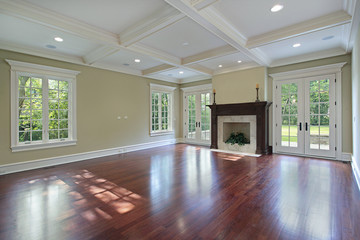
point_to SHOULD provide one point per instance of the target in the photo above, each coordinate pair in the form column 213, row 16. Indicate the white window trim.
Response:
column 46, row 72
column 309, row 72
column 162, row 89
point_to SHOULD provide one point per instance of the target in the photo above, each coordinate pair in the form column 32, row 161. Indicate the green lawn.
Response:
column 324, row 131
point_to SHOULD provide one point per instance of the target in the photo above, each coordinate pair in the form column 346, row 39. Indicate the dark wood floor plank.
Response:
column 182, row 192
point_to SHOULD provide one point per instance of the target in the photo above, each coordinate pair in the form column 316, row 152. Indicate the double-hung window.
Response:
column 42, row 106
column 161, row 109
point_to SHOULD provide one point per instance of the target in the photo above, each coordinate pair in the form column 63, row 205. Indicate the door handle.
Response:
column 195, row 124
column 306, row 126
column 300, row 126
column 199, row 124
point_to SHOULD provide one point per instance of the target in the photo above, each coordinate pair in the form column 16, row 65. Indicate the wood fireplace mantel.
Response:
column 260, row 109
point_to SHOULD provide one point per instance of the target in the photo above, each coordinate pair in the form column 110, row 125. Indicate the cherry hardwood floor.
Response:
column 182, row 192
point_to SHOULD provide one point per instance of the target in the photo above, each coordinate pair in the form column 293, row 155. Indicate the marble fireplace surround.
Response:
column 247, row 148
column 258, row 109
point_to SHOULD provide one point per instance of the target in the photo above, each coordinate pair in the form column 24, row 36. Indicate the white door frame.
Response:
column 310, row 72
column 188, row 91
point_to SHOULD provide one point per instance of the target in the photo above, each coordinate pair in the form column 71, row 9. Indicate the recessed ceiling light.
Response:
column 239, row 61
column 126, row 64
column 58, row 39
column 185, row 44
column 220, row 65
column 137, row 60
column 50, row 46
column 277, row 8
column 328, row 38
column 181, row 72
column 297, row 45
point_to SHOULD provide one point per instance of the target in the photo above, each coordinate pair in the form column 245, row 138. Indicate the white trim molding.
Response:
column 45, row 73
column 46, row 162
column 356, row 171
column 310, row 72
column 203, row 87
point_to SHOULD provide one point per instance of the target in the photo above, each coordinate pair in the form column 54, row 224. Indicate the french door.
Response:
column 197, row 117
column 305, row 116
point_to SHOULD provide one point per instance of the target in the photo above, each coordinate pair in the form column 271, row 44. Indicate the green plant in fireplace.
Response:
column 237, row 138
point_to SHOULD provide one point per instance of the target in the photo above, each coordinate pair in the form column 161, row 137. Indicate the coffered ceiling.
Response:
column 179, row 40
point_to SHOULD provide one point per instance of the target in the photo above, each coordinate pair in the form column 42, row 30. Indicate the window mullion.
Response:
column 45, row 109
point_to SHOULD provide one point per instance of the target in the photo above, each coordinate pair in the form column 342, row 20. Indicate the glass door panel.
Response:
column 320, row 113
column 289, row 132
column 192, row 124
column 205, row 116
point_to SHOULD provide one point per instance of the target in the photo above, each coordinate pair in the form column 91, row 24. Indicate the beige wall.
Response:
column 101, row 96
column 346, row 91
column 237, row 87
column 356, row 99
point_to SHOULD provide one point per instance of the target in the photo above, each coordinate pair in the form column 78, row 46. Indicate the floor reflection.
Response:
column 161, row 180
column 198, row 171
column 59, row 203
column 296, row 213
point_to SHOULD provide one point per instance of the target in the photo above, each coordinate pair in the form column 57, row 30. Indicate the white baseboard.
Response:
column 356, row 171
column 346, row 157
column 47, row 162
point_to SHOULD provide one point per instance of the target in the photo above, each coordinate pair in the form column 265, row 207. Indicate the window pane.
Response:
column 324, row 143
column 53, row 134
column 63, row 95
column 36, row 92
column 24, row 136
column 53, row 114
column 36, row 114
column 63, row 104
column 24, row 81
column 64, row 133
column 53, row 94
column 36, row 125
column 324, row 108
column 36, row 82
column 24, row 125
column 64, row 85
column 64, row 124
column 36, row 135
column 314, row 108
column 36, row 104
column 53, row 104
column 324, row 85
column 24, row 114
column 24, row 103
column 53, row 124
column 53, row 84
column 314, row 142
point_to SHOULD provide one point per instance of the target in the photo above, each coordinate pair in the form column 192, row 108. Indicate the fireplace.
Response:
column 252, row 118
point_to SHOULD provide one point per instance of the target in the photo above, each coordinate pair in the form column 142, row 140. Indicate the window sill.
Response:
column 37, row 146
column 154, row 134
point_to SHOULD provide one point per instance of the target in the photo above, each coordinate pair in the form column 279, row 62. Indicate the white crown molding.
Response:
column 161, row 19
column 160, row 87
column 158, row 69
column 35, row 68
column 99, row 53
column 197, row 88
column 308, row 57
column 41, row 163
column 120, row 68
column 164, row 78
column 33, row 13
column 210, row 54
column 306, row 27
column 193, row 79
column 41, row 53
column 242, row 66
column 308, row 72
column 213, row 21
column 354, row 8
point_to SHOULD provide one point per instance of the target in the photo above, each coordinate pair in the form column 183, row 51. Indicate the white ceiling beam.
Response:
column 161, row 19
column 215, row 22
column 199, row 68
column 200, row 4
column 99, row 54
column 308, row 57
column 210, row 54
column 306, row 27
column 155, row 53
column 158, row 69
column 33, row 13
